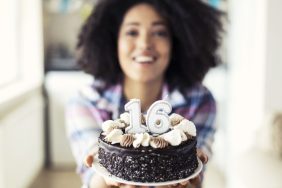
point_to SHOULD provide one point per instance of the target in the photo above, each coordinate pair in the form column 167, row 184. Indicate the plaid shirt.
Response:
column 91, row 106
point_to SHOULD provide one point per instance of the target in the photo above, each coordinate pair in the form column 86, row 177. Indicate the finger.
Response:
column 203, row 157
column 180, row 186
column 184, row 183
column 127, row 186
column 190, row 186
column 170, row 186
column 173, row 185
column 195, row 181
column 112, row 183
column 88, row 161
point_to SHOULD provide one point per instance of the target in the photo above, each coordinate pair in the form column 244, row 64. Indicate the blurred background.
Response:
column 38, row 73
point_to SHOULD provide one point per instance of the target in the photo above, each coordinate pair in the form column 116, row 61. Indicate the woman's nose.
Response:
column 144, row 42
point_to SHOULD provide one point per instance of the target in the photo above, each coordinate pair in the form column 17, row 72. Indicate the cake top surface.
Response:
column 156, row 129
column 180, row 130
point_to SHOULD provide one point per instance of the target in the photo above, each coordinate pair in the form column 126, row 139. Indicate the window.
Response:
column 9, row 42
column 21, row 48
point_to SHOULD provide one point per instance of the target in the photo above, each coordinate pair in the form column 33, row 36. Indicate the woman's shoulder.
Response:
column 195, row 95
column 91, row 92
column 96, row 95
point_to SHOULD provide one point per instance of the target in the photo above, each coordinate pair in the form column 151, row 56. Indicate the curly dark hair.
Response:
column 195, row 32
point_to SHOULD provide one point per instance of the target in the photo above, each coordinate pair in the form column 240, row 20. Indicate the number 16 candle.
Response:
column 157, row 118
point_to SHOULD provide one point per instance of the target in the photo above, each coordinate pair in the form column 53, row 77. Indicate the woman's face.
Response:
column 144, row 44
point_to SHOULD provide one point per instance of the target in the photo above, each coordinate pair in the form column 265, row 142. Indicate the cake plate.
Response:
column 103, row 172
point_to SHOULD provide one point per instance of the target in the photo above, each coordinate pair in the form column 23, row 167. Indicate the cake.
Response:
column 146, row 156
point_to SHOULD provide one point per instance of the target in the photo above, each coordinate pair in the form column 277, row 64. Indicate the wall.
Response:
column 254, row 82
column 273, row 90
column 21, row 142
column 21, row 102
column 60, row 86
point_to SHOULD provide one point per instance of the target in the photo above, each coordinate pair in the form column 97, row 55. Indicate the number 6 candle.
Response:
column 157, row 118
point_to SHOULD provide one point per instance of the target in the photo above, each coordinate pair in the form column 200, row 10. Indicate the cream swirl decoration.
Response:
column 125, row 117
column 175, row 119
column 141, row 139
column 108, row 126
column 173, row 137
column 187, row 127
column 158, row 142
column 180, row 130
column 127, row 140
column 115, row 136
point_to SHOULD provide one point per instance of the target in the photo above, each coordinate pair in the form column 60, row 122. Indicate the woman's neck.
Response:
column 146, row 92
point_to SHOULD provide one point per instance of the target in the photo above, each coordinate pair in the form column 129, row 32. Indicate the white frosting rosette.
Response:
column 187, row 127
column 125, row 117
column 173, row 137
column 141, row 139
column 115, row 136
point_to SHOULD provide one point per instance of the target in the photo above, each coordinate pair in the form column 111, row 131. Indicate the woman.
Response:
column 145, row 49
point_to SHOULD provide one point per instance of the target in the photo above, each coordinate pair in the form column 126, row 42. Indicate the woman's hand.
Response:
column 195, row 182
column 88, row 161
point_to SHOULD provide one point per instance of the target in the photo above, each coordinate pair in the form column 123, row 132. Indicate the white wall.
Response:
column 273, row 87
column 21, row 103
column 255, row 90
column 60, row 87
column 247, row 70
column 21, row 142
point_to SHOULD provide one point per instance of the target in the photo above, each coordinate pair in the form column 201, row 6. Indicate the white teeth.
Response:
column 144, row 59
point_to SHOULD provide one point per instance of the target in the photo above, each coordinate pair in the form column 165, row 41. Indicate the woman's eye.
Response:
column 161, row 33
column 132, row 33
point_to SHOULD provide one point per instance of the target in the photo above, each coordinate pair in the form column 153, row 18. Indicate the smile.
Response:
column 144, row 59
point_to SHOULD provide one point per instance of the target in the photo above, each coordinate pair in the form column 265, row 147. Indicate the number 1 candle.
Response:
column 134, row 108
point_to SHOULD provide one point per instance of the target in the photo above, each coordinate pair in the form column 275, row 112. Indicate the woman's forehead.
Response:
column 143, row 14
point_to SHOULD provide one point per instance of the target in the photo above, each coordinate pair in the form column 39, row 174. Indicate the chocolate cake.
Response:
column 147, row 157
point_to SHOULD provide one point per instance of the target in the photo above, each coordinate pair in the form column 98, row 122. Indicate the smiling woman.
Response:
column 147, row 50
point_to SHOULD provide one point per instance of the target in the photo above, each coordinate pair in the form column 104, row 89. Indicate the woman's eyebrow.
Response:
column 131, row 23
column 159, row 23
column 156, row 23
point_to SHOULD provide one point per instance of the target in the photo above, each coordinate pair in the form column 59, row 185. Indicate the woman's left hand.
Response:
column 195, row 182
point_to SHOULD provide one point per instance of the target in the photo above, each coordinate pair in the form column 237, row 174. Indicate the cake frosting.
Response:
column 146, row 156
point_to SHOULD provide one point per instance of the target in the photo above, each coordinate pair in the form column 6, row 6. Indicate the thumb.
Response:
column 88, row 161
column 203, row 157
